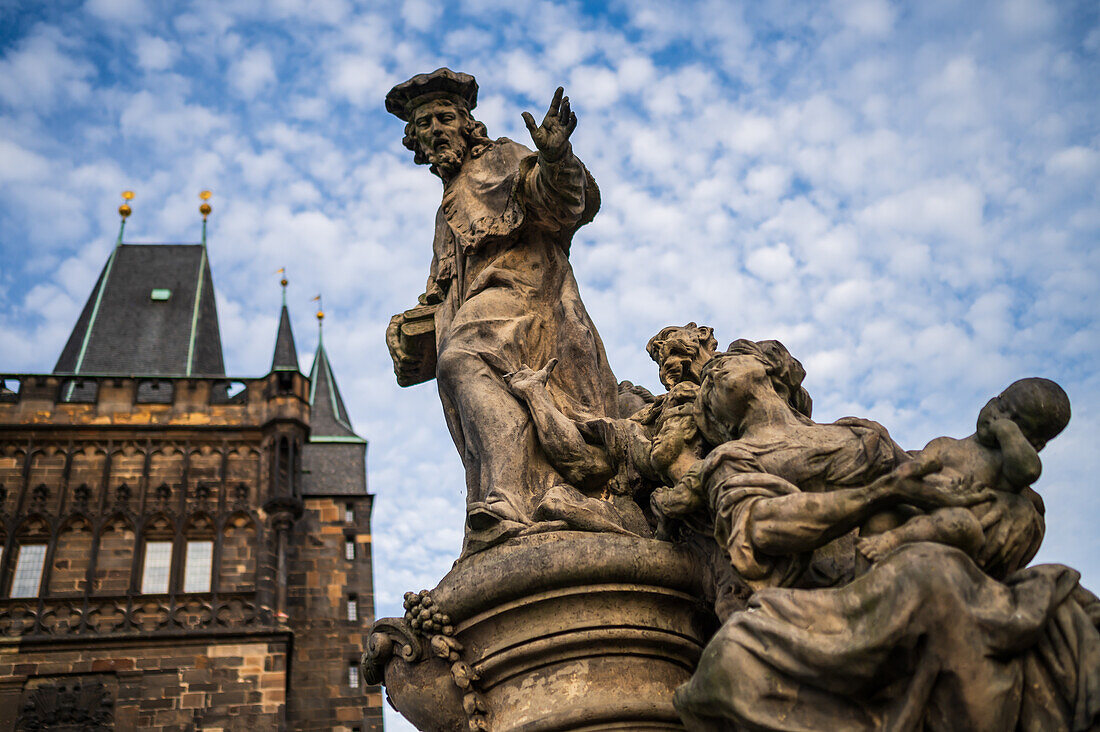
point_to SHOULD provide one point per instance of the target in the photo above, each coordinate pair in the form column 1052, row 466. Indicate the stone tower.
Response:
column 181, row 549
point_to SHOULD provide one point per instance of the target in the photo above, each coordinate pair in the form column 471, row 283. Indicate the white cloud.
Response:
column 869, row 17
column 359, row 78
column 905, row 196
column 39, row 73
column 252, row 72
column 20, row 164
column 420, row 14
column 155, row 53
column 1074, row 161
column 1027, row 16
column 118, row 11
column 169, row 121
column 950, row 208
column 771, row 263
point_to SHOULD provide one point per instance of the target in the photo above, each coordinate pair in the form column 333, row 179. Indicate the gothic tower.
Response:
column 181, row 549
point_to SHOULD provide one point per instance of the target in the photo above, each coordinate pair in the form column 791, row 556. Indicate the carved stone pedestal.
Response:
column 547, row 633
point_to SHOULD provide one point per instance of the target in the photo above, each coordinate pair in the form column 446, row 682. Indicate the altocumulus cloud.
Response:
column 905, row 194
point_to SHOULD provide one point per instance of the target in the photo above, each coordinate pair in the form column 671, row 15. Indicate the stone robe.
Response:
column 508, row 298
column 924, row 640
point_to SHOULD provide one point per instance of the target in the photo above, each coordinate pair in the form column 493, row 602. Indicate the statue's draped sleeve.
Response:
column 733, row 483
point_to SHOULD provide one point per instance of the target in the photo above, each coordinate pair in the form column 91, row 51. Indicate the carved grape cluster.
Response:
column 425, row 616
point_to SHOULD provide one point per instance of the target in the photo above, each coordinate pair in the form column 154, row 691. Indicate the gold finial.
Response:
column 124, row 210
column 205, row 209
column 320, row 308
column 282, row 271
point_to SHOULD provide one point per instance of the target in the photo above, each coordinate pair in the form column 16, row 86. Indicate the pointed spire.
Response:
column 328, row 417
column 286, row 354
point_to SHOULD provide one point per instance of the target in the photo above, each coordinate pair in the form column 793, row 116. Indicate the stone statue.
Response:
column 500, row 294
column 1002, row 533
column 777, row 573
column 923, row 638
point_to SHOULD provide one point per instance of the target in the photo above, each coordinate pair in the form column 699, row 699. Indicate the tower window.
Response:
column 353, row 608
column 349, row 548
column 197, row 566
column 353, row 675
column 28, row 570
column 349, row 513
column 158, row 566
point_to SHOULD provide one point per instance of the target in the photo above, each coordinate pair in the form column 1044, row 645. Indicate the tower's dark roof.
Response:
column 335, row 458
column 124, row 330
column 286, row 355
column 327, row 415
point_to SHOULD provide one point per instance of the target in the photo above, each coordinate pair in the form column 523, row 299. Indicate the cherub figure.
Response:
column 1001, row 457
column 582, row 454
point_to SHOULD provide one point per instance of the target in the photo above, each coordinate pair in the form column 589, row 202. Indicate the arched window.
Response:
column 71, row 557
column 296, row 468
column 282, row 466
column 198, row 559
column 29, row 557
column 115, row 557
column 156, row 565
column 238, row 560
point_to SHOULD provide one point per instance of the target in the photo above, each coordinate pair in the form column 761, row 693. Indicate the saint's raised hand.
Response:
column 552, row 137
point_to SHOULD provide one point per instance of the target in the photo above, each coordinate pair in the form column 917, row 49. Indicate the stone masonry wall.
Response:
column 326, row 643
column 169, row 685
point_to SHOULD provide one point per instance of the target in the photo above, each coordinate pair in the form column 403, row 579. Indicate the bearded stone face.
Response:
column 440, row 130
column 681, row 353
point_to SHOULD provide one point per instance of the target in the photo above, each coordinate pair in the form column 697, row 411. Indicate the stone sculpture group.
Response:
column 777, row 573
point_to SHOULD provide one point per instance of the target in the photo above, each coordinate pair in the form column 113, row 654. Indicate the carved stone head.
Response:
column 746, row 371
column 1038, row 406
column 440, row 129
column 681, row 351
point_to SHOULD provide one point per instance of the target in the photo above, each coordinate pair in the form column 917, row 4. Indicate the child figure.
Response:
column 612, row 456
column 1001, row 457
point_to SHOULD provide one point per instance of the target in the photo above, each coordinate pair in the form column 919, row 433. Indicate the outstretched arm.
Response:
column 801, row 522
column 555, row 186
column 579, row 463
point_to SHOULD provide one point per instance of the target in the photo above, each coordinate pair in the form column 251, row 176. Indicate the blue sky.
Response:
column 904, row 194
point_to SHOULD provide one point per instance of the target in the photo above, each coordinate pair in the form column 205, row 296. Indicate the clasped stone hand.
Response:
column 552, row 137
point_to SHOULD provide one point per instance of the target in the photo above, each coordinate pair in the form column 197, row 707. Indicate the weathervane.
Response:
column 205, row 210
column 124, row 211
column 320, row 312
column 283, row 282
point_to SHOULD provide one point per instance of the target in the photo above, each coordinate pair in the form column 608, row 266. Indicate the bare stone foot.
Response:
column 878, row 546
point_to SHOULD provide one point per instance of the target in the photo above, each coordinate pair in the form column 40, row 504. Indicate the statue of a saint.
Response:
column 500, row 295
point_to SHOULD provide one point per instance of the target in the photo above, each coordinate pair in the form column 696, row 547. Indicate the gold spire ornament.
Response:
column 320, row 308
column 124, row 210
column 205, row 208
